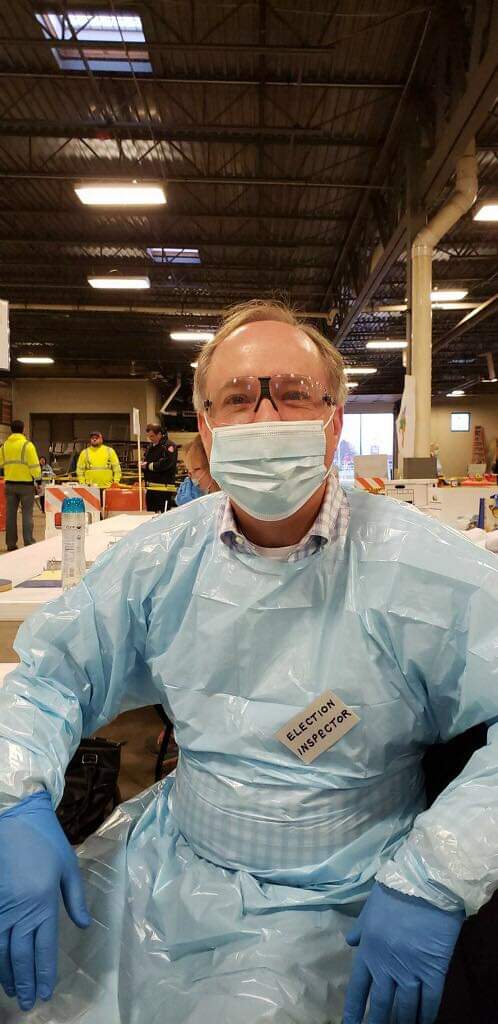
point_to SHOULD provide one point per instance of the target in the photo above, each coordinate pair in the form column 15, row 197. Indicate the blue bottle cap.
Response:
column 73, row 505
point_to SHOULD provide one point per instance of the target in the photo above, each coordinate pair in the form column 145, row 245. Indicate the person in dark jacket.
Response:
column 159, row 467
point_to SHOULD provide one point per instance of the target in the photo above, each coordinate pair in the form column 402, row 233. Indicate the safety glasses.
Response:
column 292, row 395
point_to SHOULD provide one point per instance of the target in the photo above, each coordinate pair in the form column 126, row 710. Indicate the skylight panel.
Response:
column 93, row 31
column 164, row 254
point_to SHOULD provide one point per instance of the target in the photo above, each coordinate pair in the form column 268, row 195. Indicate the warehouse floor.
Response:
column 135, row 729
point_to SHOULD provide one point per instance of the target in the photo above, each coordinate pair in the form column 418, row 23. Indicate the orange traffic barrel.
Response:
column 123, row 499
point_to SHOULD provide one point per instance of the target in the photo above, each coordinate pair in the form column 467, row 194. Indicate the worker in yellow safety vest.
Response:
column 21, row 469
column 98, row 464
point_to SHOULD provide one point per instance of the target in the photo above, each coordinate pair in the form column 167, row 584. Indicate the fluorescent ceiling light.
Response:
column 192, row 335
column 455, row 394
column 387, row 344
column 488, row 211
column 454, row 305
column 35, row 359
column 360, row 370
column 133, row 194
column 114, row 281
column 194, row 365
column 448, row 294
column 352, row 383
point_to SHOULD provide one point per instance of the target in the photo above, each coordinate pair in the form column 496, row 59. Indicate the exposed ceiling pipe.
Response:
column 150, row 310
column 171, row 395
column 491, row 366
column 458, row 204
column 400, row 307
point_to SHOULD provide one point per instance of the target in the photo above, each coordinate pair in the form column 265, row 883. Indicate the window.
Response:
column 367, row 433
column 161, row 254
column 460, row 421
column 93, row 31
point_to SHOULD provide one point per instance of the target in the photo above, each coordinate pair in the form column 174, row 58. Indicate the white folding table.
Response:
column 4, row 669
column 21, row 566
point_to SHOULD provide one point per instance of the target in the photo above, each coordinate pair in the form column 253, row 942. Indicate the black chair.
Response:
column 471, row 990
column 165, row 742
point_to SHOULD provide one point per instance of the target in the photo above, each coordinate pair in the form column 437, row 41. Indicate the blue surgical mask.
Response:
column 270, row 469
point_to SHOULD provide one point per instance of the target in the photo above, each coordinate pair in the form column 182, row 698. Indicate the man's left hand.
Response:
column 405, row 945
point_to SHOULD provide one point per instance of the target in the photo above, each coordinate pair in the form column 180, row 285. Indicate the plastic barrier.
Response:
column 54, row 496
column 373, row 484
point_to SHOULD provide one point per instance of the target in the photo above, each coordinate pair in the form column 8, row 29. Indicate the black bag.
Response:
column 91, row 791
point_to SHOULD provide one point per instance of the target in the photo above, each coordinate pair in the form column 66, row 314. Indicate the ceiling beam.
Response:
column 156, row 132
column 167, row 275
column 390, row 254
column 135, row 173
column 380, row 171
column 76, row 77
column 181, row 309
column 477, row 101
column 140, row 243
column 467, row 323
column 151, row 46
column 131, row 265
column 155, row 214
column 228, row 287
column 479, row 98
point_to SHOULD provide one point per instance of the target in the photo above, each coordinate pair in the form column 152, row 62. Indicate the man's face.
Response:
column 152, row 437
column 96, row 440
column 263, row 349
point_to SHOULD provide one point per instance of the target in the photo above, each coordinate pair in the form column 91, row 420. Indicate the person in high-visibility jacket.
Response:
column 98, row 464
column 21, row 469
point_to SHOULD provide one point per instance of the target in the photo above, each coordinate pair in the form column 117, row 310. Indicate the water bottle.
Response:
column 73, row 522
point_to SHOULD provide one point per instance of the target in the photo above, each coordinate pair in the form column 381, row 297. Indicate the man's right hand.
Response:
column 37, row 865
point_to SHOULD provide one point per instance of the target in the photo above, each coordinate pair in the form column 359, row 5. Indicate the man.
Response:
column 98, row 464
column 21, row 469
column 159, row 467
column 308, row 647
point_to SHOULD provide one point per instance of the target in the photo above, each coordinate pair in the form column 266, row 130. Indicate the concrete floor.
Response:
column 134, row 728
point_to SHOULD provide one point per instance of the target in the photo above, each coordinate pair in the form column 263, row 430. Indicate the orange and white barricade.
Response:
column 54, row 496
column 373, row 484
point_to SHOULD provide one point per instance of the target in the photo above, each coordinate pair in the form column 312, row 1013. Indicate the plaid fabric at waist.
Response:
column 280, row 829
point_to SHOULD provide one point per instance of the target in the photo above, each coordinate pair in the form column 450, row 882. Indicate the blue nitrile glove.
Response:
column 37, row 865
column 405, row 945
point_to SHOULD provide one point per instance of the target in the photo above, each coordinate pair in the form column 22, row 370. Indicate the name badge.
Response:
column 316, row 729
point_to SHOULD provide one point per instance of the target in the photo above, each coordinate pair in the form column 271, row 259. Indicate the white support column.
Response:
column 422, row 250
column 422, row 346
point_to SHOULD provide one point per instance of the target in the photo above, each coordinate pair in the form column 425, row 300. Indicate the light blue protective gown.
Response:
column 223, row 894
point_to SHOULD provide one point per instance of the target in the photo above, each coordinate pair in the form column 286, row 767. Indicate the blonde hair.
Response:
column 192, row 451
column 195, row 452
column 261, row 309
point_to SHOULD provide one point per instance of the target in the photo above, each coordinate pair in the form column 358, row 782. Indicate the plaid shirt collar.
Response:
column 330, row 525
